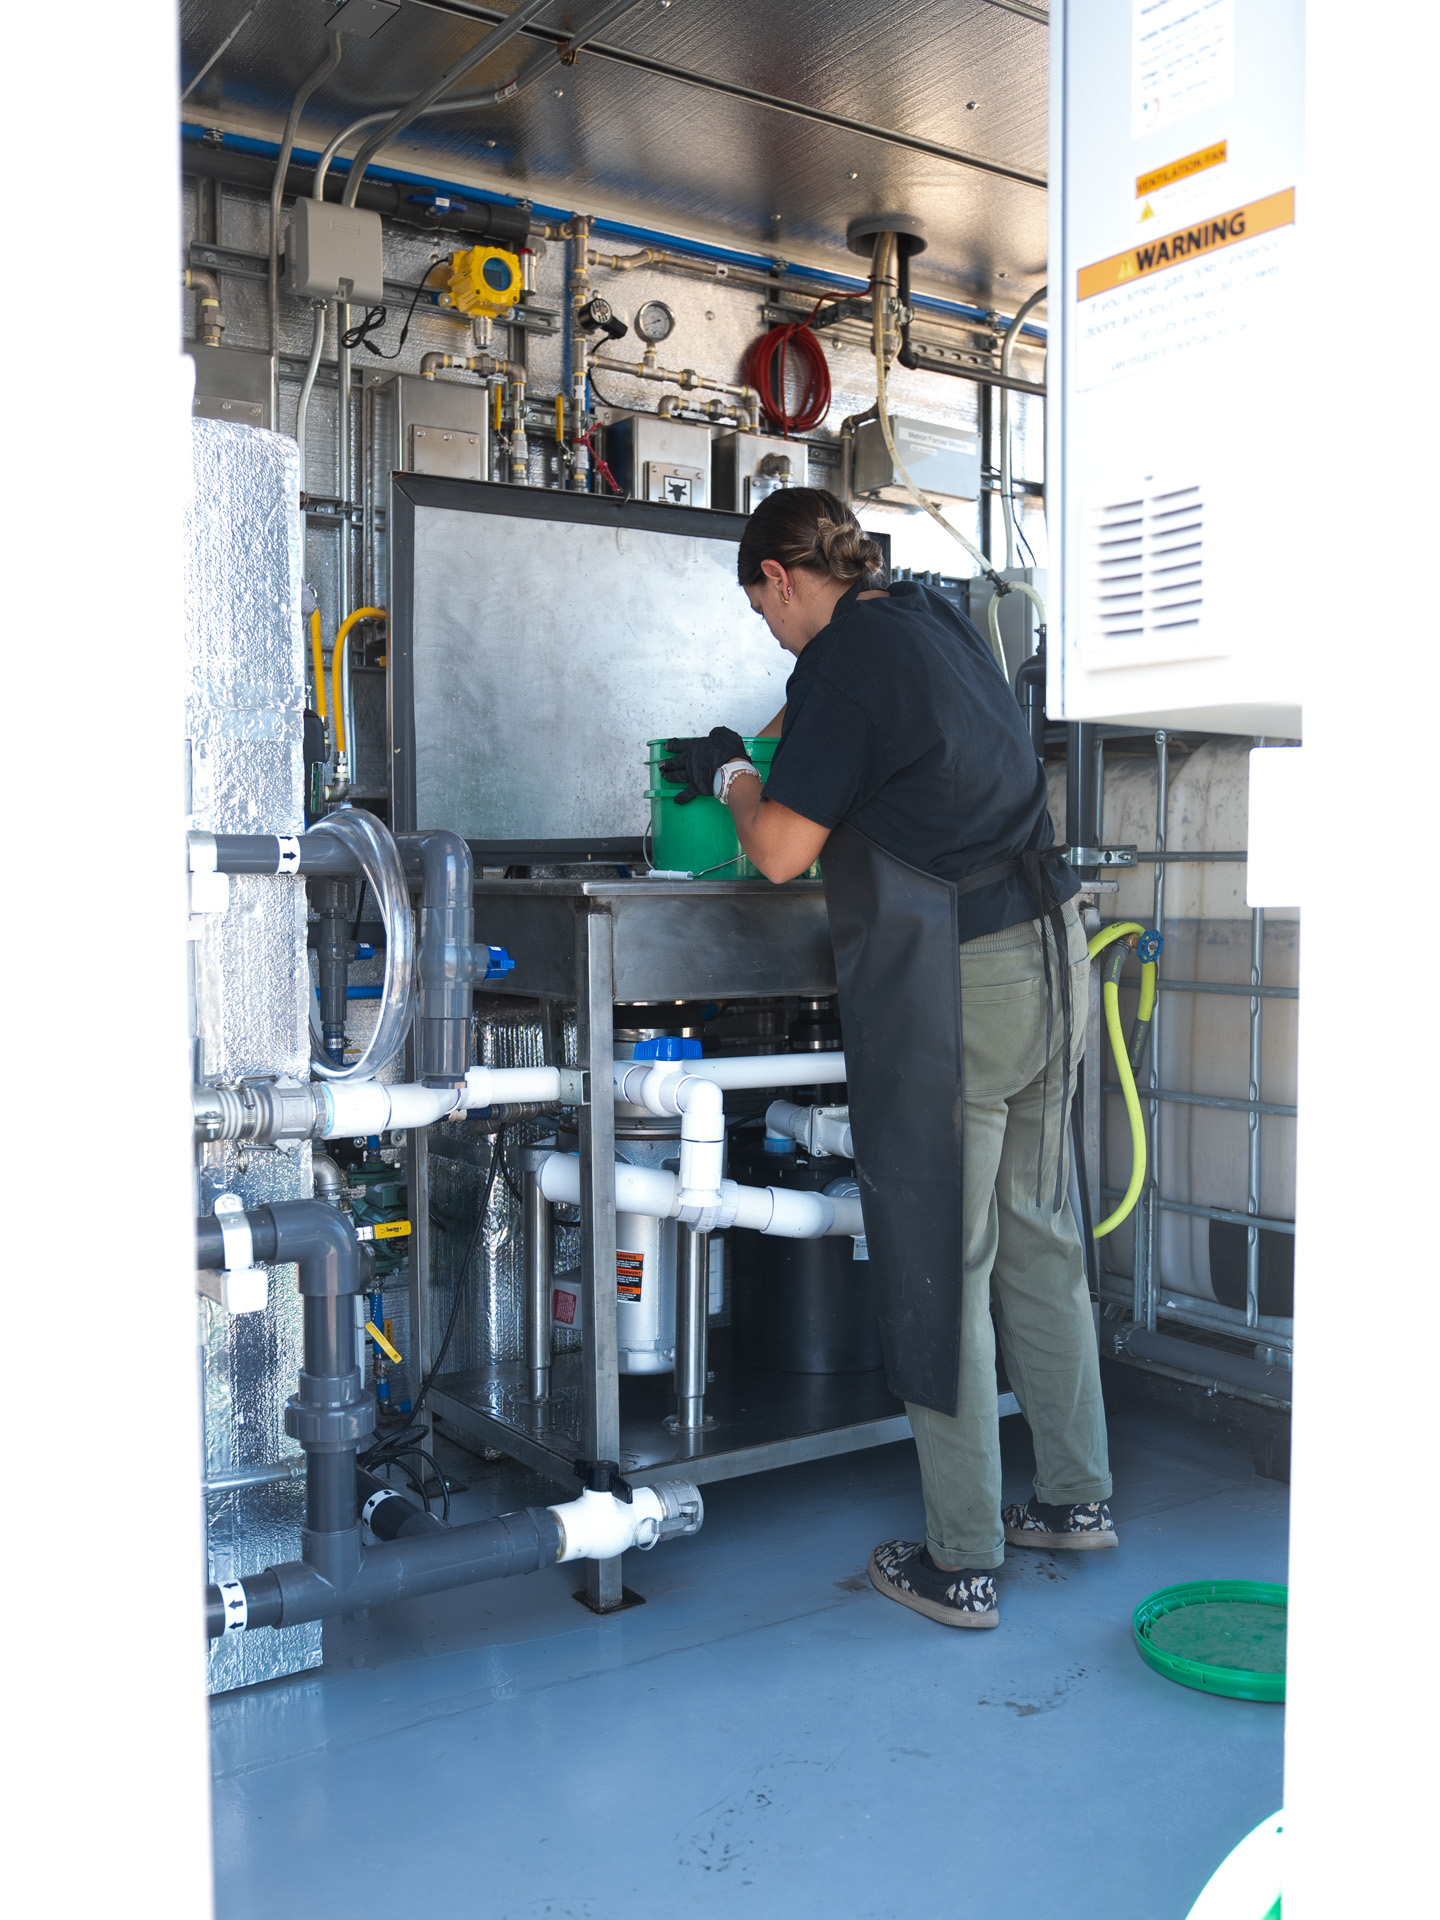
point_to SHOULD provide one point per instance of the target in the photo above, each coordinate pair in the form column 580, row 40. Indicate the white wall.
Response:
column 107, row 1787
column 1364, row 1700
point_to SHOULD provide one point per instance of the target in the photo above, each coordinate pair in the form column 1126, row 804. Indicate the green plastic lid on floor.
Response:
column 1222, row 1636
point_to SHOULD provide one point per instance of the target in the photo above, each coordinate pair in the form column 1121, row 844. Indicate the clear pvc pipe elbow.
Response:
column 380, row 863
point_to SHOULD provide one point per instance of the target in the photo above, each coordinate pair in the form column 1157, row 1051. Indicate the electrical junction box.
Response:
column 1176, row 151
column 335, row 253
column 745, row 467
column 939, row 459
column 658, row 459
column 441, row 426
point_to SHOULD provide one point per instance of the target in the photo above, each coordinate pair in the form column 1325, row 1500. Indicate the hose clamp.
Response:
column 235, row 1232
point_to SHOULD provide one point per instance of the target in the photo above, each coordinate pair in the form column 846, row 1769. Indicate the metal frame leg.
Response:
column 600, row 1425
column 539, row 1262
column 692, row 1308
column 417, row 1180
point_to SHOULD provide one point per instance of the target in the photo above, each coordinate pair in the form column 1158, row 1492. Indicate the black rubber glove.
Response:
column 694, row 763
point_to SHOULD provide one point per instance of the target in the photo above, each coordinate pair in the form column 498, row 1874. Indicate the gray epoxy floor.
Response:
column 768, row 1736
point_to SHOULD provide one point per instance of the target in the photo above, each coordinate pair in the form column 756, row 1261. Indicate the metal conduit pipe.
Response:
column 746, row 411
column 1007, row 504
column 533, row 70
column 312, row 367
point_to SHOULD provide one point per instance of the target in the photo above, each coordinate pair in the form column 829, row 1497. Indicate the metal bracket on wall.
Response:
column 1102, row 856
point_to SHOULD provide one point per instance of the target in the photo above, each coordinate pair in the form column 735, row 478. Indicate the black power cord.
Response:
column 383, row 1452
column 358, row 335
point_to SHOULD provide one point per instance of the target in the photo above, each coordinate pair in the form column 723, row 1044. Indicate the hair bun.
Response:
column 846, row 550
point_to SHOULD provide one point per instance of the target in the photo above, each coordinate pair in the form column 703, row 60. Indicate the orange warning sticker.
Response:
column 629, row 1274
column 1205, row 236
column 1193, row 163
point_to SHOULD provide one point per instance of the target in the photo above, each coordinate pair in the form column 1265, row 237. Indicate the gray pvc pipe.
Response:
column 402, row 1569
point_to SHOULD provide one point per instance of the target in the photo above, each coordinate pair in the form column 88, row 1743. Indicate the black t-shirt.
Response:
column 898, row 720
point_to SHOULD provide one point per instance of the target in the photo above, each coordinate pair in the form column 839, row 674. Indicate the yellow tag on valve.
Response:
column 384, row 1345
column 384, row 1230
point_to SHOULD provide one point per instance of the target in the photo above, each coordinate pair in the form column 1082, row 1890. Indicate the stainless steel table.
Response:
column 597, row 942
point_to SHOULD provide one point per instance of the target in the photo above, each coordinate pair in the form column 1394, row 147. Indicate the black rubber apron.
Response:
column 895, row 932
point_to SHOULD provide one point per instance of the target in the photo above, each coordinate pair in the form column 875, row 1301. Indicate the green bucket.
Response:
column 699, row 838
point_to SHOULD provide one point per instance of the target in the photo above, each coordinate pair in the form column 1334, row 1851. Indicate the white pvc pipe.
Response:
column 770, row 1070
column 356, row 1107
column 487, row 1086
column 782, row 1211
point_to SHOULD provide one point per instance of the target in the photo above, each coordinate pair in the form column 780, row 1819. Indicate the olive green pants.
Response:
column 1022, row 1260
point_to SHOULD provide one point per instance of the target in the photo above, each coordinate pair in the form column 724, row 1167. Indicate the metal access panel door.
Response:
column 539, row 640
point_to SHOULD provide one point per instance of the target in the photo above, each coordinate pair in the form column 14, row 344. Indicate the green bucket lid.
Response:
column 1222, row 1636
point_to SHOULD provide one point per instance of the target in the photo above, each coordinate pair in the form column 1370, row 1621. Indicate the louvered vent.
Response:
column 1146, row 570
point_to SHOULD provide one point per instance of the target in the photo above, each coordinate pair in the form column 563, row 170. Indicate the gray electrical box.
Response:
column 335, row 253
column 939, row 459
column 663, row 460
column 745, row 467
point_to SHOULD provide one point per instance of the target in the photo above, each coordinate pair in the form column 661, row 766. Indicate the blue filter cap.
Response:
column 670, row 1046
column 498, row 964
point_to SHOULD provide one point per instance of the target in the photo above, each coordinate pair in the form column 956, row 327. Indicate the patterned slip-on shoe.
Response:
column 903, row 1570
column 1078, row 1529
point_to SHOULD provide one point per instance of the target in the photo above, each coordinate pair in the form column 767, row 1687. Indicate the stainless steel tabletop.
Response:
column 672, row 939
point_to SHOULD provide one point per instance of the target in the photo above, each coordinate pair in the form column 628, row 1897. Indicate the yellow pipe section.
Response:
column 559, row 419
column 1128, row 930
column 337, row 666
column 317, row 656
column 497, row 408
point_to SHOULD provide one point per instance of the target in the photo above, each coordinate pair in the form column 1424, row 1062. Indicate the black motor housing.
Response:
column 799, row 1306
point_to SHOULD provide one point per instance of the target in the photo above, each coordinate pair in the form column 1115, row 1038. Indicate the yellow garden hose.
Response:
column 337, row 666
column 317, row 654
column 1127, row 1058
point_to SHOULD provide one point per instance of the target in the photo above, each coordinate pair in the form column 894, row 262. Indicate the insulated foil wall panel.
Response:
column 250, row 972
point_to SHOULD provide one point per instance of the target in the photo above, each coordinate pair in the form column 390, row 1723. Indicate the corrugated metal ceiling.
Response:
column 646, row 147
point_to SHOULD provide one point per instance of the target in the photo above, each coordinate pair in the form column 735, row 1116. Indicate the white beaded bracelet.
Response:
column 726, row 776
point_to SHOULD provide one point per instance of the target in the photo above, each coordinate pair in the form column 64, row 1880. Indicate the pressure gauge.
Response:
column 654, row 322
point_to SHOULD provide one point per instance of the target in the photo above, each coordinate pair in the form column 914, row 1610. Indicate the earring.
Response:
column 786, row 598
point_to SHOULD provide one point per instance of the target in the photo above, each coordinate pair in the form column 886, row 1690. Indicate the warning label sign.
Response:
column 629, row 1274
column 1206, row 236
column 562, row 1307
column 1193, row 163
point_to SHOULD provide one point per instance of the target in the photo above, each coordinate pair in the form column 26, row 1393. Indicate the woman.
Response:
column 959, row 954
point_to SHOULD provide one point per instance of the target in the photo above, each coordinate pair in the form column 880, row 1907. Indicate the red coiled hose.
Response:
column 768, row 379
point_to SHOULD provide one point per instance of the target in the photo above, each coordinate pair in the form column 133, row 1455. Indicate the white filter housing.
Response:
column 1176, row 143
